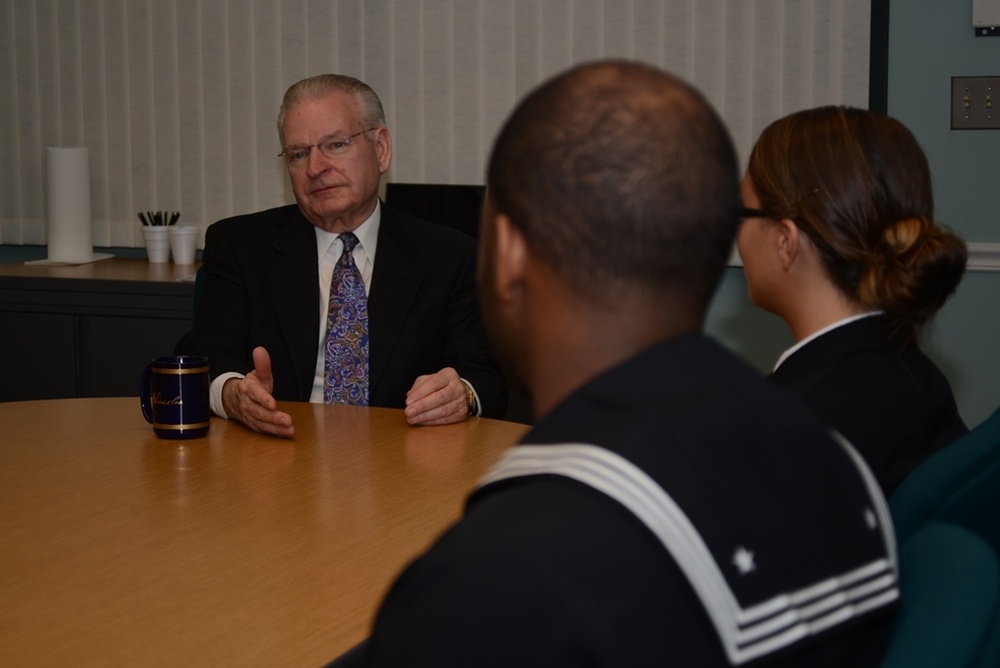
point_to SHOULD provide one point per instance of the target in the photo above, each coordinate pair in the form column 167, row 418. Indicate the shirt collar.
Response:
column 366, row 232
column 815, row 335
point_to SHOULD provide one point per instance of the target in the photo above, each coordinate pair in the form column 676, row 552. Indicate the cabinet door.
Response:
column 115, row 350
column 37, row 356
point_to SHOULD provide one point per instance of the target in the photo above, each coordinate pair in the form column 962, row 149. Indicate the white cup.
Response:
column 157, row 243
column 183, row 243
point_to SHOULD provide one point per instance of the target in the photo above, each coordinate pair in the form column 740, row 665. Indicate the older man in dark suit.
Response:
column 295, row 307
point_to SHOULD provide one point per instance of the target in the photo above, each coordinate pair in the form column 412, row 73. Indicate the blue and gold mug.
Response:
column 174, row 396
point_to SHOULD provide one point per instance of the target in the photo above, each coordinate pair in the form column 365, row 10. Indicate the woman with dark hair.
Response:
column 839, row 240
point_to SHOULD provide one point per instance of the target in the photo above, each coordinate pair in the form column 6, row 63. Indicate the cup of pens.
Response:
column 155, row 232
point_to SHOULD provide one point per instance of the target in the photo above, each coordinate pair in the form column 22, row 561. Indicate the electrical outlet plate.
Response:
column 975, row 103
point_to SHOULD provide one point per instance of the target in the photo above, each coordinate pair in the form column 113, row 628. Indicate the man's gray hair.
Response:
column 369, row 106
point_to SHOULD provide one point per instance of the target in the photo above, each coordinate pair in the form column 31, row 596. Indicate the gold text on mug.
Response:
column 160, row 401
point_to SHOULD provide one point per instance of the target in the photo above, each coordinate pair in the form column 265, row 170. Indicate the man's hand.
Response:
column 249, row 399
column 440, row 398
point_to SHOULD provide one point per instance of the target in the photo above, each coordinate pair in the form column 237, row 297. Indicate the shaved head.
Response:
column 619, row 173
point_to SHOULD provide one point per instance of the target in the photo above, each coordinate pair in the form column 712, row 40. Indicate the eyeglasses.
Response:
column 332, row 147
column 748, row 212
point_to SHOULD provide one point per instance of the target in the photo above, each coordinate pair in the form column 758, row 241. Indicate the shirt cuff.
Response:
column 479, row 403
column 215, row 392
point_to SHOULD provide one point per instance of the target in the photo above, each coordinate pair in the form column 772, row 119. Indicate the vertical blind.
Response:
column 176, row 99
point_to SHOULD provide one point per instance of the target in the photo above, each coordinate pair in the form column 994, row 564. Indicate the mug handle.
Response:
column 144, row 402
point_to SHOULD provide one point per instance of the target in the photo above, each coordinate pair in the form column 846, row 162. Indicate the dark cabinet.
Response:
column 88, row 330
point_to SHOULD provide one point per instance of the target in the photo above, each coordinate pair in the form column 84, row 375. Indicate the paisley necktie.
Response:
column 346, row 347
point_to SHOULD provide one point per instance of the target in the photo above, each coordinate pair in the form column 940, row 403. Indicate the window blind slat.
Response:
column 177, row 99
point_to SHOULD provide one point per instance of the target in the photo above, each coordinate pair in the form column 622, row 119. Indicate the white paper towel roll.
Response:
column 68, row 196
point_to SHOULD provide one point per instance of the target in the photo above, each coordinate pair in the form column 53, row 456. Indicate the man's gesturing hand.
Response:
column 249, row 399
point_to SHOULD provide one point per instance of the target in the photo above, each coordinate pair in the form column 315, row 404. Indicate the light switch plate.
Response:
column 975, row 103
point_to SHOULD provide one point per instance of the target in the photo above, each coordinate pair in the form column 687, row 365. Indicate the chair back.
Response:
column 949, row 612
column 959, row 484
column 199, row 287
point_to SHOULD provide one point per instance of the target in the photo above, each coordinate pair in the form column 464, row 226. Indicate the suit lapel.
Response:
column 396, row 279
column 293, row 274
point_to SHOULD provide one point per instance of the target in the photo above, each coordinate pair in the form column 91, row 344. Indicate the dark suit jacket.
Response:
column 261, row 288
column 884, row 395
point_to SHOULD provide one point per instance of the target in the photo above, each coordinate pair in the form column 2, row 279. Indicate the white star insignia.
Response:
column 870, row 519
column 743, row 560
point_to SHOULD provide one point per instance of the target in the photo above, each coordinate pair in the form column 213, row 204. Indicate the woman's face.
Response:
column 757, row 241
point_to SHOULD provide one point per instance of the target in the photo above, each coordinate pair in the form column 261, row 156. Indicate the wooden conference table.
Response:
column 119, row 548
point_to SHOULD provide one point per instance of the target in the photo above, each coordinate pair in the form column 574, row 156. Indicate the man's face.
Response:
column 336, row 193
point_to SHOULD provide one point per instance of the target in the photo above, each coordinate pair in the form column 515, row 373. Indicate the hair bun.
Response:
column 903, row 235
column 921, row 267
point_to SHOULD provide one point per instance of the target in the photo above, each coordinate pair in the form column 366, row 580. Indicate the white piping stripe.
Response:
column 787, row 619
column 875, row 494
column 582, row 462
column 618, row 478
column 866, row 590
column 873, row 602
column 814, row 627
column 845, row 599
column 813, row 592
